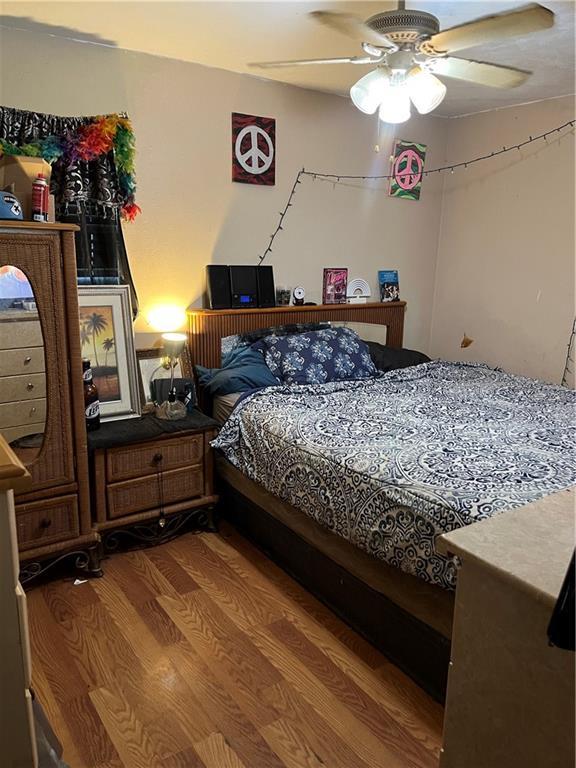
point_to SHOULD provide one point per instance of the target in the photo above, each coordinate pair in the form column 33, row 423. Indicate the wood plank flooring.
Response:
column 203, row 654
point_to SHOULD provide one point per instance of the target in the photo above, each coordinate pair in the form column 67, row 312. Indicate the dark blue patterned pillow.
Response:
column 332, row 354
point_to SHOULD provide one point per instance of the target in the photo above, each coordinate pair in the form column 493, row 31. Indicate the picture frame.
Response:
column 152, row 365
column 388, row 285
column 107, row 340
column 334, row 284
column 407, row 169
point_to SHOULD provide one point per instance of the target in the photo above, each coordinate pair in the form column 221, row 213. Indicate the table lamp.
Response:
column 173, row 346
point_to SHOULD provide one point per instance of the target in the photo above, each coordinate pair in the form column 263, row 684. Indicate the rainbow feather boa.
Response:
column 103, row 134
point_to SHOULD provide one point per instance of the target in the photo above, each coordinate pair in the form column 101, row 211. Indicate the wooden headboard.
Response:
column 207, row 327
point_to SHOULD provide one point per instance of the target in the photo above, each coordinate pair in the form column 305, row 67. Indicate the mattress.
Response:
column 392, row 462
column 223, row 405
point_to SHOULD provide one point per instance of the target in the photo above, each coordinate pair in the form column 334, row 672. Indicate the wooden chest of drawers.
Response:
column 151, row 477
column 41, row 396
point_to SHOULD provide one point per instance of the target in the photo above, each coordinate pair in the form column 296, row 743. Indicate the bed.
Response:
column 347, row 485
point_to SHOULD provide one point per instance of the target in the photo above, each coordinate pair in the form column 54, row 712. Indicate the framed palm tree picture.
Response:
column 107, row 340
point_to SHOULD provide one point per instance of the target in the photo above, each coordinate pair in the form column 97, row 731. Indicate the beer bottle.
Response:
column 91, row 401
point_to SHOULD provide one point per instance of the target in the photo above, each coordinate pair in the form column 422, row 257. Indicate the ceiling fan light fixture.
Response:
column 372, row 50
column 395, row 106
column 426, row 91
column 368, row 92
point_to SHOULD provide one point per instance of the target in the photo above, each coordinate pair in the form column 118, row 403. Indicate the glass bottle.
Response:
column 171, row 409
column 91, row 399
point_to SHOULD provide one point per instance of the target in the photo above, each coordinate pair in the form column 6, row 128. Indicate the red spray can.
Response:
column 40, row 192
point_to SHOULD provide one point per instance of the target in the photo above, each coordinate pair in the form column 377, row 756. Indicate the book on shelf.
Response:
column 334, row 285
column 388, row 283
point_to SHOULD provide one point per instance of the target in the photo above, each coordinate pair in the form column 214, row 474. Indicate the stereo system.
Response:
column 233, row 287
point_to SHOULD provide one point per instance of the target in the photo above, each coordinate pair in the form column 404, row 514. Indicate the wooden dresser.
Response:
column 510, row 701
column 41, row 396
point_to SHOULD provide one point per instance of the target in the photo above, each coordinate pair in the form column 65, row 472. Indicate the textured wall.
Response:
column 505, row 271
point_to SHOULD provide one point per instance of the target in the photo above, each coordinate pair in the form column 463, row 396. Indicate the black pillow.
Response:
column 281, row 330
column 389, row 358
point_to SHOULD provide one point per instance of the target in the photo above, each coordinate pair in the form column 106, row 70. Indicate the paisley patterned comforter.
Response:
column 390, row 463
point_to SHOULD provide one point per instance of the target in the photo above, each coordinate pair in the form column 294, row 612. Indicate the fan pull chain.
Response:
column 160, row 483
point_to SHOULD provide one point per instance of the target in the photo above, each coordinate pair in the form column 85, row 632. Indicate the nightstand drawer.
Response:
column 48, row 521
column 144, row 459
column 141, row 494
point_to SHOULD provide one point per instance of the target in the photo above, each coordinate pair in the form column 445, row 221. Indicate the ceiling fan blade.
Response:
column 491, row 29
column 479, row 72
column 352, row 27
column 305, row 62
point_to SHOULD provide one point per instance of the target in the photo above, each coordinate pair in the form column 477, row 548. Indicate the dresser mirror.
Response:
column 22, row 366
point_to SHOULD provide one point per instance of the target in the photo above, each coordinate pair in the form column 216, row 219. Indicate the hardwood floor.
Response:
column 203, row 654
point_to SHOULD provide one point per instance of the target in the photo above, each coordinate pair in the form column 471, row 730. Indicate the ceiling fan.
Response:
column 409, row 49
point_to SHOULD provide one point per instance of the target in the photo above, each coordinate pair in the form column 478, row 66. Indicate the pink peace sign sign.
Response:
column 408, row 168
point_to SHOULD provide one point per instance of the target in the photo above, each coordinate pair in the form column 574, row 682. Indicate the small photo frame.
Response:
column 334, row 285
column 389, row 285
column 107, row 340
column 153, row 364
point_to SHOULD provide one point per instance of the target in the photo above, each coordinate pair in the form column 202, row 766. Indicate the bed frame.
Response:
column 207, row 326
column 409, row 620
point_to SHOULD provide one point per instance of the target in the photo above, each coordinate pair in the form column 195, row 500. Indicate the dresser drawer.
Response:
column 23, row 413
column 48, row 521
column 14, row 362
column 13, row 433
column 133, row 496
column 21, row 333
column 137, row 460
column 16, row 388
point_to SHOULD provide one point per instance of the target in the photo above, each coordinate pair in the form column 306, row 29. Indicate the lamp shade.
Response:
column 426, row 91
column 166, row 317
column 395, row 107
column 173, row 343
column 367, row 93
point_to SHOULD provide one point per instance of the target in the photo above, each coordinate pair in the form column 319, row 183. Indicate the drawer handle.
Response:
column 157, row 458
column 29, row 386
column 45, row 522
column 27, row 360
column 32, row 410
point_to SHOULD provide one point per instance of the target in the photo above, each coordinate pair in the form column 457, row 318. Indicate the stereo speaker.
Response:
column 243, row 287
column 218, row 286
column 265, row 282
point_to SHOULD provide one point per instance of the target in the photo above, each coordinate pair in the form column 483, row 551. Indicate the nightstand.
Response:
column 151, row 478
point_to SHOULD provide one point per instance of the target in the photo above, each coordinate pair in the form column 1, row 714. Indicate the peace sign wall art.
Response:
column 253, row 149
column 407, row 167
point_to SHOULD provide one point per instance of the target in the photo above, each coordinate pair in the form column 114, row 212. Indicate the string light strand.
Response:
column 338, row 178
column 451, row 166
column 283, row 213
column 569, row 363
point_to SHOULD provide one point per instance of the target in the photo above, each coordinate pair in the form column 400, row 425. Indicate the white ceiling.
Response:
column 231, row 34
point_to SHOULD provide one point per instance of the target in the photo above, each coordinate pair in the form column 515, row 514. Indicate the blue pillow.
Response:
column 242, row 369
column 332, row 354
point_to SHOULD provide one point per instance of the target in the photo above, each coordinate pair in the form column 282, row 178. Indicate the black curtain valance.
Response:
column 90, row 193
